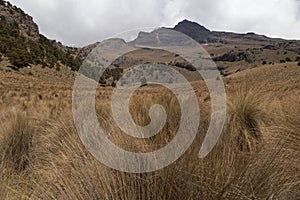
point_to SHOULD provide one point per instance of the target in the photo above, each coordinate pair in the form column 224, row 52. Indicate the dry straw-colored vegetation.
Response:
column 257, row 156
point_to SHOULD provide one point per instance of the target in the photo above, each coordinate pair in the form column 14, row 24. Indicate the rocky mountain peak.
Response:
column 193, row 29
column 186, row 24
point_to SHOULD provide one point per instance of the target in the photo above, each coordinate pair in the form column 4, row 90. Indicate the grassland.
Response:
column 257, row 156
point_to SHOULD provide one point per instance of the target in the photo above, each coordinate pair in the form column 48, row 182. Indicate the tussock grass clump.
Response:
column 253, row 158
column 291, row 122
column 72, row 173
column 16, row 144
column 246, row 116
column 16, row 157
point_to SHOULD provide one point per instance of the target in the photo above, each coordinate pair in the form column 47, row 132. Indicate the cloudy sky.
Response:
column 81, row 22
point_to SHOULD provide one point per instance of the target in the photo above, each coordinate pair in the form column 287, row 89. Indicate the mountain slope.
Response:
column 22, row 44
column 236, row 52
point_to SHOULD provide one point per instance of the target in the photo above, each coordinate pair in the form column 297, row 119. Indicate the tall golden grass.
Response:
column 257, row 156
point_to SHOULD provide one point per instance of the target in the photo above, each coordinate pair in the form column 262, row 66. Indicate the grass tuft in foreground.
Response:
column 16, row 144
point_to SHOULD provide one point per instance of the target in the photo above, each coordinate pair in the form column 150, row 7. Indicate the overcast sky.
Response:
column 82, row 22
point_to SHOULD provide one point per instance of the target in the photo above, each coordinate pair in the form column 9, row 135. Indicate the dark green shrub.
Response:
column 282, row 61
column 287, row 59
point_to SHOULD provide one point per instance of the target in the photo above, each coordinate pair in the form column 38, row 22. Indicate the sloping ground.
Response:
column 283, row 80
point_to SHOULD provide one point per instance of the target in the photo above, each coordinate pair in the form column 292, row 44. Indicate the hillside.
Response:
column 236, row 52
column 22, row 45
column 231, row 52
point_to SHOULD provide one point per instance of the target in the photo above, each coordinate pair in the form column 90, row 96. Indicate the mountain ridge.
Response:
column 22, row 45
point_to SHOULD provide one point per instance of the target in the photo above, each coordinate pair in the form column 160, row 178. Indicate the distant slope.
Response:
column 236, row 52
column 204, row 36
column 231, row 52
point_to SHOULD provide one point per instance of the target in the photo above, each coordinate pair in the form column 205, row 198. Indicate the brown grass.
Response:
column 257, row 156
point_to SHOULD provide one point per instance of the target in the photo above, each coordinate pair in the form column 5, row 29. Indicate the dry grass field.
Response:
column 257, row 156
